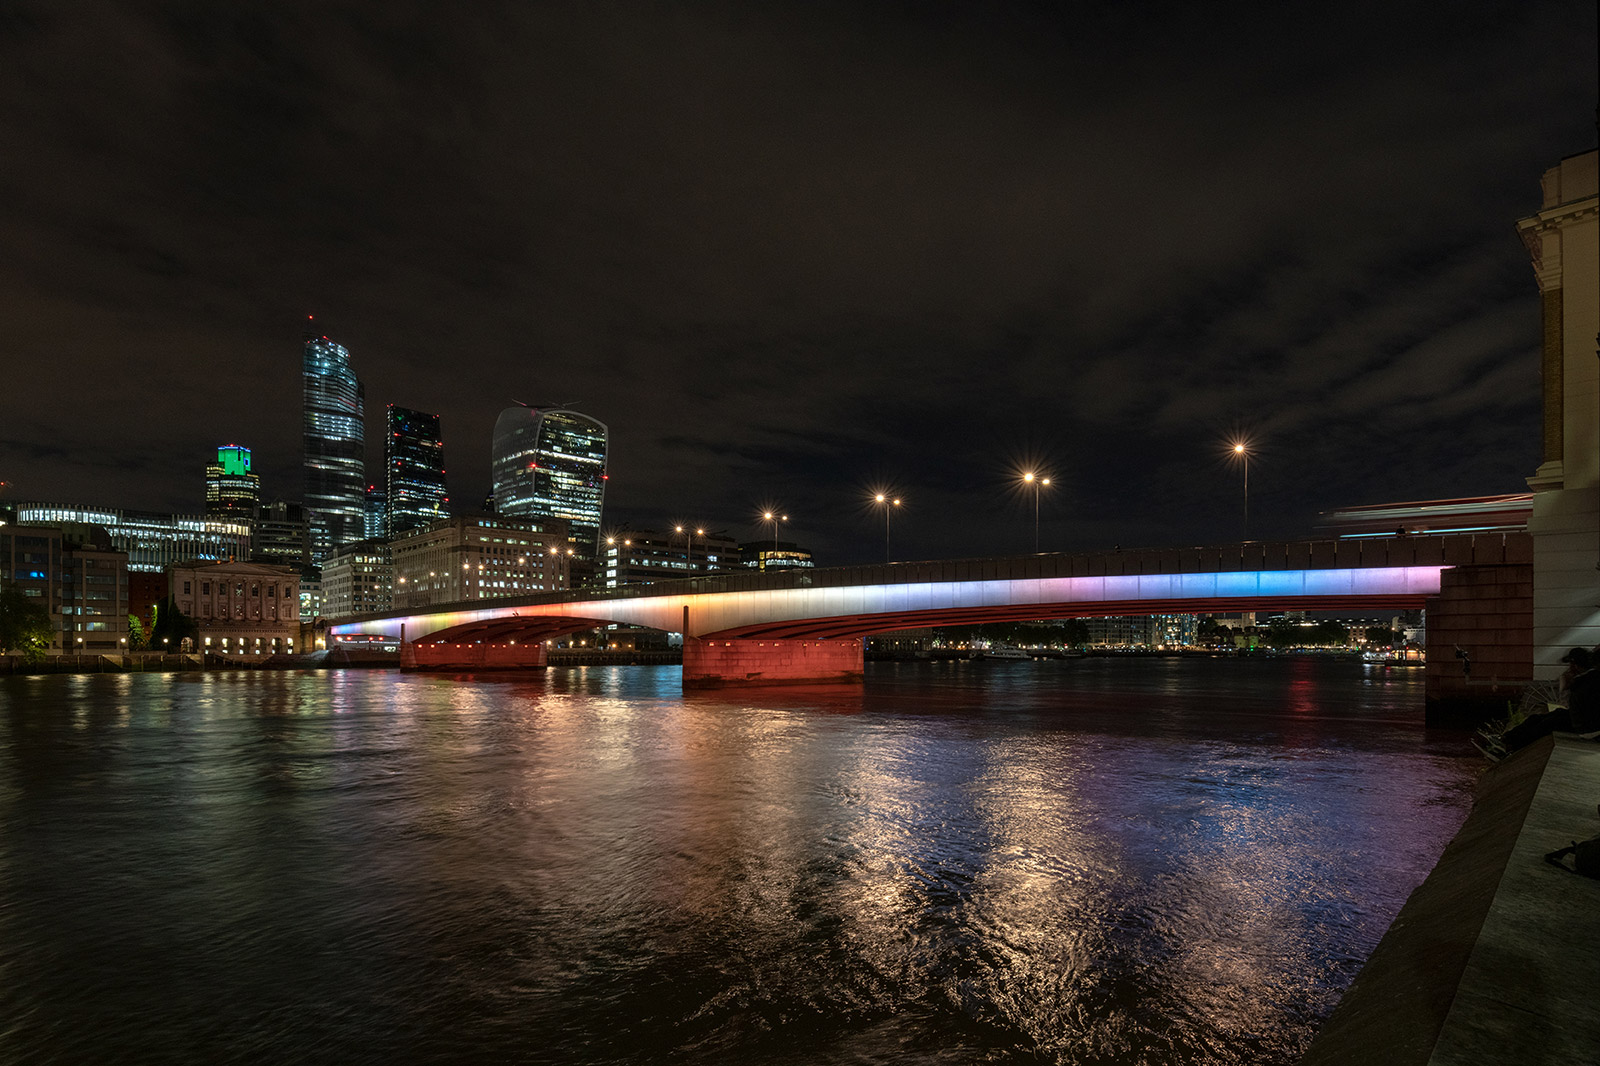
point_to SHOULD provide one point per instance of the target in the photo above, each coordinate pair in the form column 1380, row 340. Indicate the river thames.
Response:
column 1083, row 861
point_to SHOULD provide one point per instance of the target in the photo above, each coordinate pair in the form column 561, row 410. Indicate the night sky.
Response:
column 790, row 253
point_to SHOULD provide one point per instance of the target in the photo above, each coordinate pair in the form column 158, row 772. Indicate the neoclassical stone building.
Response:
column 240, row 608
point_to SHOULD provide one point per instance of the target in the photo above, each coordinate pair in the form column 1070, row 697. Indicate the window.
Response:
column 186, row 588
column 205, row 588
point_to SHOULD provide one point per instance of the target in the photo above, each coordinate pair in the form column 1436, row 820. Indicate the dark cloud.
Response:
column 789, row 252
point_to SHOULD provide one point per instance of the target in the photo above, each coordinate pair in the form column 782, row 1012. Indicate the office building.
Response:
column 784, row 555
column 375, row 513
column 413, row 463
column 78, row 575
column 479, row 557
column 282, row 535
column 152, row 541
column 1144, row 630
column 551, row 464
column 335, row 447
column 233, row 491
column 357, row 579
column 642, row 556
column 240, row 609
column 310, row 595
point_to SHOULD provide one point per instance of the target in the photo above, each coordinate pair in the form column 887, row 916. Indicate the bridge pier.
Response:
column 739, row 663
column 1487, row 613
column 504, row 655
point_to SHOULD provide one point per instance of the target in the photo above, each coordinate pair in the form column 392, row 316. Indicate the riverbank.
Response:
column 338, row 659
column 1492, row 959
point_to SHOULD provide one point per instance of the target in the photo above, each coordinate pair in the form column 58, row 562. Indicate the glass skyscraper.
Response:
column 551, row 464
column 335, row 447
column 413, row 459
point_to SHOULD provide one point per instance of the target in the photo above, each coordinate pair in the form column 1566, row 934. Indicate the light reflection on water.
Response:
column 1092, row 861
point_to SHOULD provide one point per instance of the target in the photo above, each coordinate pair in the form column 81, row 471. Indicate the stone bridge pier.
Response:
column 738, row 663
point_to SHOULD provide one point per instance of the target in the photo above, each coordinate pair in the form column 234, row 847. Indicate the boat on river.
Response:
column 1004, row 652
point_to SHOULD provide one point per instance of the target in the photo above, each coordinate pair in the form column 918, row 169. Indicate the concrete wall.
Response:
column 735, row 663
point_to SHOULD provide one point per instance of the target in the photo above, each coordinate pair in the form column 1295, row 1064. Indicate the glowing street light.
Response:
column 1241, row 452
column 773, row 518
column 1038, row 482
column 689, row 535
column 888, row 503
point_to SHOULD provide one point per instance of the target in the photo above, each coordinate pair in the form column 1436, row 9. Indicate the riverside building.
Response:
column 639, row 557
column 152, row 541
column 479, row 557
column 79, row 576
column 357, row 579
column 240, row 609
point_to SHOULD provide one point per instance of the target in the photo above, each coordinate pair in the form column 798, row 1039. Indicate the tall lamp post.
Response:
column 1242, row 450
column 1030, row 478
column 688, row 547
column 773, row 518
column 889, row 503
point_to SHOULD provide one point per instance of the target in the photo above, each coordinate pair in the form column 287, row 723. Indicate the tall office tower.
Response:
column 376, row 513
column 413, row 460
column 232, row 492
column 551, row 463
column 335, row 447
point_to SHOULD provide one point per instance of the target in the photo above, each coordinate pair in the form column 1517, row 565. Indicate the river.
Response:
column 1083, row 861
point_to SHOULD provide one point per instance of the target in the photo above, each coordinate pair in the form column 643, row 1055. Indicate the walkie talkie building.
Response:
column 335, row 448
column 551, row 464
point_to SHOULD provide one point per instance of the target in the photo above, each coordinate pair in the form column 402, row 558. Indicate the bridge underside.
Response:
column 850, row 626
column 516, row 643
column 810, row 650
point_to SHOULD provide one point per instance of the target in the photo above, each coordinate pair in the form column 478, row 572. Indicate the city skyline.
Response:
column 796, row 253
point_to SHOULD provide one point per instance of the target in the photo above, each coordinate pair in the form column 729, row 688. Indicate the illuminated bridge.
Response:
column 806, row 625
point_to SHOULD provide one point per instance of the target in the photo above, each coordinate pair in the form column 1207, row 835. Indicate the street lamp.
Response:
column 1241, row 451
column 773, row 518
column 1038, row 482
column 889, row 503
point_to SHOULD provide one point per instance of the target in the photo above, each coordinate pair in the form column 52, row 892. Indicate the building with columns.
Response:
column 1565, row 523
column 240, row 608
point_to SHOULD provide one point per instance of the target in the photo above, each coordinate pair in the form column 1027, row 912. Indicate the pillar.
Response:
column 719, row 663
column 426, row 655
column 1565, row 524
column 1487, row 613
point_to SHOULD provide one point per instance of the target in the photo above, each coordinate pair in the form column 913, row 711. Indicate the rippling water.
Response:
column 1095, row 861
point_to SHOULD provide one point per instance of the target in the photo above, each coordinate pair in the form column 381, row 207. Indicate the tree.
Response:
column 24, row 624
column 1383, row 636
column 170, row 626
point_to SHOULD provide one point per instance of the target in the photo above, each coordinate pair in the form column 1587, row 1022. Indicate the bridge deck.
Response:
column 849, row 601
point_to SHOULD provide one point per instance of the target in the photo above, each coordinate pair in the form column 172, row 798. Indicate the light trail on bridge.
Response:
column 851, row 611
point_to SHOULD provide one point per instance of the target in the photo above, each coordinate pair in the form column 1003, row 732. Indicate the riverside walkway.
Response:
column 1495, row 958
